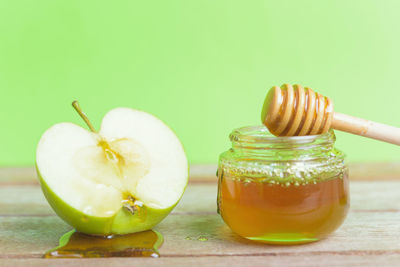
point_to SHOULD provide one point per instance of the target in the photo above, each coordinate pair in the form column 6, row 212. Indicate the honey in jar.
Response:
column 282, row 190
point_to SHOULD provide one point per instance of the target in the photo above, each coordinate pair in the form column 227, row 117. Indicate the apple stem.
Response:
column 78, row 109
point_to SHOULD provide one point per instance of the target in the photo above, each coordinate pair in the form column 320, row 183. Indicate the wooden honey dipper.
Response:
column 294, row 111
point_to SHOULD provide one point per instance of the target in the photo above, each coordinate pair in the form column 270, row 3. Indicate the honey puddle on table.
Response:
column 77, row 245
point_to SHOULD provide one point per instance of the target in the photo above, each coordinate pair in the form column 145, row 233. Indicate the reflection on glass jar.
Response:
column 282, row 190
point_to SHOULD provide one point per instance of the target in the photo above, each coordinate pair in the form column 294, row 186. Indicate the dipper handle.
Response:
column 294, row 111
column 371, row 129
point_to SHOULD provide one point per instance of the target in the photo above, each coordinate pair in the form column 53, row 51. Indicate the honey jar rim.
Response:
column 260, row 134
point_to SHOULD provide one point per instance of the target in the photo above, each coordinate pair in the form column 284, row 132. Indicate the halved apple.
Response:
column 124, row 179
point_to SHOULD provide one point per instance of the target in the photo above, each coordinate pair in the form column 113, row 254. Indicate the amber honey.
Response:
column 282, row 190
column 280, row 213
column 77, row 245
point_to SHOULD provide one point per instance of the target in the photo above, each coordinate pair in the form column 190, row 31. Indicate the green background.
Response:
column 203, row 66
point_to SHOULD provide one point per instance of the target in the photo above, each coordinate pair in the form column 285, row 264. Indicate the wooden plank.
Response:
column 18, row 175
column 375, row 171
column 370, row 234
column 362, row 232
column 23, row 200
column 201, row 198
column 364, row 260
column 371, row 196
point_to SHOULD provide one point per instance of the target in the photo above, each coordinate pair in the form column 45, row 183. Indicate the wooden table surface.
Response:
column 370, row 235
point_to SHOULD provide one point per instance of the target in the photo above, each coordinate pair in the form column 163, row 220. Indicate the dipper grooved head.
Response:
column 294, row 111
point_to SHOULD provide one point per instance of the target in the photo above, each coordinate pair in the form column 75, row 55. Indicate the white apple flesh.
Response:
column 125, row 178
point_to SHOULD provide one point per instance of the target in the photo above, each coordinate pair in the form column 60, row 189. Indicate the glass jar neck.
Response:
column 257, row 142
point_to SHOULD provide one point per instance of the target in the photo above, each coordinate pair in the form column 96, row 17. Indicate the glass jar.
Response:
column 282, row 190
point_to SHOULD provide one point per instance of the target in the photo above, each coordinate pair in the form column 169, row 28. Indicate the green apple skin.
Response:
column 123, row 222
